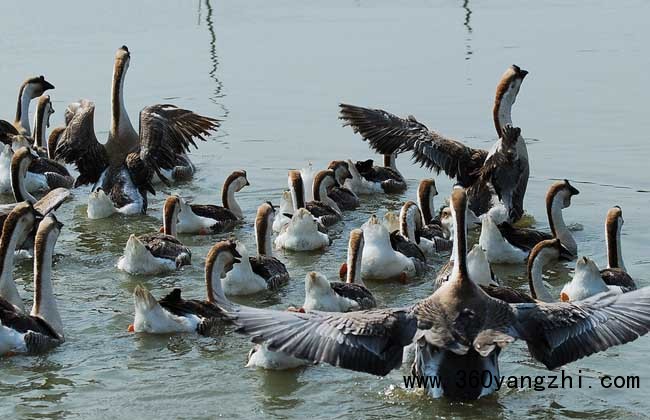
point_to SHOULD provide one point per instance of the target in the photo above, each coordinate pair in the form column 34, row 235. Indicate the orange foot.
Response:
column 161, row 230
column 204, row 231
column 294, row 309
column 403, row 278
column 343, row 271
column 10, row 354
column 131, row 328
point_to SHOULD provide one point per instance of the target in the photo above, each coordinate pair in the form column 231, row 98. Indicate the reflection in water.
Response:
column 468, row 45
column 214, row 58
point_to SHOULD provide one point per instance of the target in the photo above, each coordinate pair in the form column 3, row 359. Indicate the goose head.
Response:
column 506, row 94
column 341, row 171
column 391, row 221
column 36, row 86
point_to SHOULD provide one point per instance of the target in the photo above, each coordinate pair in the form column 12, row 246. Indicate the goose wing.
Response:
column 23, row 323
column 618, row 277
column 388, row 133
column 7, row 131
column 78, row 143
column 52, row 200
column 559, row 333
column 364, row 341
column 523, row 238
column 175, row 304
column 165, row 246
column 270, row 269
column 166, row 131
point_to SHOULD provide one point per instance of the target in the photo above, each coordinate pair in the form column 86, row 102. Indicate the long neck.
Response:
column 389, row 161
column 297, row 193
column 8, row 288
column 338, row 174
column 613, row 242
column 459, row 250
column 355, row 252
column 18, row 175
column 558, row 227
column 22, row 108
column 425, row 201
column 169, row 222
column 44, row 300
column 229, row 202
column 407, row 224
column 121, row 134
column 40, row 123
column 213, row 272
column 263, row 237
column 320, row 194
column 535, row 281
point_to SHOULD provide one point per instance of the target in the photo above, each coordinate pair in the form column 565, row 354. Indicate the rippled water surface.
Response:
column 274, row 71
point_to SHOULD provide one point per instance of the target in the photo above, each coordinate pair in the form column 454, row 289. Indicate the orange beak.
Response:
column 564, row 297
column 131, row 328
column 343, row 271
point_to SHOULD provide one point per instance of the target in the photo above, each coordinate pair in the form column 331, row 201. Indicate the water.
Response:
column 275, row 71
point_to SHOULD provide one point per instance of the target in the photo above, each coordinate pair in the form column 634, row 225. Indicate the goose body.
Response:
column 586, row 282
column 358, row 184
column 380, row 261
column 500, row 172
column 157, row 252
column 505, row 243
column 37, row 173
column 302, row 234
column 322, row 206
column 205, row 219
column 286, row 208
column 353, row 287
column 173, row 314
column 262, row 271
column 458, row 328
column 42, row 329
column 122, row 170
column 386, row 179
column 344, row 197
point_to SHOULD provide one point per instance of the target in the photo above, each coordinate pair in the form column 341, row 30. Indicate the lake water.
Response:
column 275, row 72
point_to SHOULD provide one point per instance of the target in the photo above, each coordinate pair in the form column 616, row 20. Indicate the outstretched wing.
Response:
column 78, row 143
column 364, row 341
column 388, row 133
column 7, row 131
column 166, row 131
column 559, row 333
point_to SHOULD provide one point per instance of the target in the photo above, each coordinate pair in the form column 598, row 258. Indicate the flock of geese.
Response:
column 464, row 324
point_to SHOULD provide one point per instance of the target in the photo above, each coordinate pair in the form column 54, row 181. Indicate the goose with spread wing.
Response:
column 500, row 169
column 458, row 329
column 122, row 170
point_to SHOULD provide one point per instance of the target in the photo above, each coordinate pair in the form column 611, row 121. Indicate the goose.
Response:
column 615, row 274
column 504, row 168
column 173, row 314
column 307, row 175
column 121, row 171
column 29, row 89
column 456, row 329
column 431, row 228
column 35, row 173
column 586, row 282
column 302, row 233
column 15, row 229
column 44, row 111
column 322, row 207
column 380, row 261
column 358, row 184
column 154, row 253
column 344, row 197
column 386, row 179
column 263, row 271
column 42, row 329
column 286, row 209
column 353, row 287
column 506, row 244
column 411, row 226
column 204, row 219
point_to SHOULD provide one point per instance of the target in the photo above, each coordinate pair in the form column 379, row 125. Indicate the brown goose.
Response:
column 205, row 219
column 353, row 288
column 476, row 169
column 174, row 314
column 44, row 110
column 262, row 271
column 344, row 197
column 31, row 172
column 432, row 227
column 154, row 253
column 457, row 329
column 322, row 207
column 122, row 170
column 42, row 329
column 30, row 89
column 615, row 273
column 505, row 243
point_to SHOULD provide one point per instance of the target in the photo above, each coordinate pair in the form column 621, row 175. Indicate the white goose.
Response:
column 380, row 261
column 173, row 314
column 157, row 252
column 43, row 328
column 302, row 233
